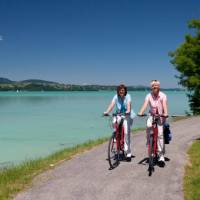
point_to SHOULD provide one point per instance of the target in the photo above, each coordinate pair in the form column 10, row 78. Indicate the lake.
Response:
column 34, row 124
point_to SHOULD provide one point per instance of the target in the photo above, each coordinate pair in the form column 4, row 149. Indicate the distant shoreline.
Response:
column 42, row 85
column 9, row 90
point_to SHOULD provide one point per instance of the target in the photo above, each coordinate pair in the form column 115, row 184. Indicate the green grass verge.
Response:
column 16, row 178
column 135, row 130
column 192, row 173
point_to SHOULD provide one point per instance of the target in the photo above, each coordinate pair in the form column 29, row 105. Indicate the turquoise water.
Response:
column 34, row 124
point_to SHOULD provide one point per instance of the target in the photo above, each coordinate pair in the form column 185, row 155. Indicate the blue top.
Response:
column 121, row 103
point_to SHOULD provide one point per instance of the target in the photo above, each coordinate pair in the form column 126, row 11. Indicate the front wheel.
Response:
column 113, row 152
column 151, row 156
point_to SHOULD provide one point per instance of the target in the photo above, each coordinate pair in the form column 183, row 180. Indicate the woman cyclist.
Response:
column 122, row 102
column 157, row 101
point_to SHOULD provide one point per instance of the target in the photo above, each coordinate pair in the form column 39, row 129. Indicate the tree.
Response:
column 186, row 59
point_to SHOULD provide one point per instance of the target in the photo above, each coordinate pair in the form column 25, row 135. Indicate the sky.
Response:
column 93, row 41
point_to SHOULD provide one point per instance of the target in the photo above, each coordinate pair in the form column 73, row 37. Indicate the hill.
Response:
column 38, row 81
column 43, row 85
column 5, row 81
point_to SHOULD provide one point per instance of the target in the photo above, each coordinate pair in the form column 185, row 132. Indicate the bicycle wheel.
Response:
column 113, row 152
column 151, row 155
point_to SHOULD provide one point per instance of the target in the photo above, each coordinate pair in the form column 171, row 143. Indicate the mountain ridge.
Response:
column 44, row 85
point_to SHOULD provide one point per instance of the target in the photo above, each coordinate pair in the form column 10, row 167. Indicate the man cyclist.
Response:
column 122, row 101
column 157, row 101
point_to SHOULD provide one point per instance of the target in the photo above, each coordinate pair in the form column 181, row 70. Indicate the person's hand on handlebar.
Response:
column 105, row 114
column 140, row 114
column 165, row 115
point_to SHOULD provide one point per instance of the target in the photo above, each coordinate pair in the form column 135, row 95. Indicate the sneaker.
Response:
column 161, row 161
column 128, row 159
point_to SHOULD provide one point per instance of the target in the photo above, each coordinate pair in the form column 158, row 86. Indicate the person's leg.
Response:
column 118, row 118
column 149, row 121
column 125, row 126
column 130, row 122
column 127, row 137
column 160, row 144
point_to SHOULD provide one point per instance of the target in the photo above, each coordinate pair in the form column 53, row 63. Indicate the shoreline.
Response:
column 16, row 178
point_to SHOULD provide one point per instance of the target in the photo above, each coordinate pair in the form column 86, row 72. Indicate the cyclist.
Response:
column 157, row 101
column 122, row 101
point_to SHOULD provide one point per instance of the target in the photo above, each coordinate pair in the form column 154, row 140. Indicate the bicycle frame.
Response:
column 154, row 132
column 152, row 138
column 119, row 133
column 116, row 141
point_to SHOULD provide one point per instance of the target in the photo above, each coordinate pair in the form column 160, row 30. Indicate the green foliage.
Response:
column 186, row 59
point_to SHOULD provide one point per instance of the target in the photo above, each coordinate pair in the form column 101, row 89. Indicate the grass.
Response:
column 192, row 173
column 16, row 178
column 135, row 130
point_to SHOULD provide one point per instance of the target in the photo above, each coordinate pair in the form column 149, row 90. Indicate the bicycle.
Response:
column 116, row 141
column 152, row 137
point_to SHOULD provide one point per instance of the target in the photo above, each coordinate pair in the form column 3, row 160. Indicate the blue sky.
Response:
column 93, row 41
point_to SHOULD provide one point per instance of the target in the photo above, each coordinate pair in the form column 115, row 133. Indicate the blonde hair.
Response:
column 155, row 82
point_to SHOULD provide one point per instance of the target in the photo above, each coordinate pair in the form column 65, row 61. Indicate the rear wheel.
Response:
column 113, row 152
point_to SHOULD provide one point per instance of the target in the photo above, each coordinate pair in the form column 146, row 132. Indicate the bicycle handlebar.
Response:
column 105, row 115
column 115, row 114
column 144, row 115
column 156, row 115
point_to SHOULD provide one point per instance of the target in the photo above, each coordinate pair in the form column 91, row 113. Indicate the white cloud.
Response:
column 1, row 37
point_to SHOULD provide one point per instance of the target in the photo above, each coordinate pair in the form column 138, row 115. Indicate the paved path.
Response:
column 86, row 176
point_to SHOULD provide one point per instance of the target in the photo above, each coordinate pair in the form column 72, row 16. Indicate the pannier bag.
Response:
column 167, row 133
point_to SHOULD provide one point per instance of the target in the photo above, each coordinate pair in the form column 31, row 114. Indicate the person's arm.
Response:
column 144, row 106
column 128, row 106
column 165, row 107
column 128, row 109
column 110, row 107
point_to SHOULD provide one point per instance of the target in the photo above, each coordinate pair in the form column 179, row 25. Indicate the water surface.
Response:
column 34, row 124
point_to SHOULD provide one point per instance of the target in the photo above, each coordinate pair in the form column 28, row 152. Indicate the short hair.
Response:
column 155, row 82
column 122, row 86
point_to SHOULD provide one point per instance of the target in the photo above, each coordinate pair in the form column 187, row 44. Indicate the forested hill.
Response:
column 43, row 85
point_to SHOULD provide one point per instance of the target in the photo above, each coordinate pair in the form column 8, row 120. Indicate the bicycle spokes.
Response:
column 113, row 152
